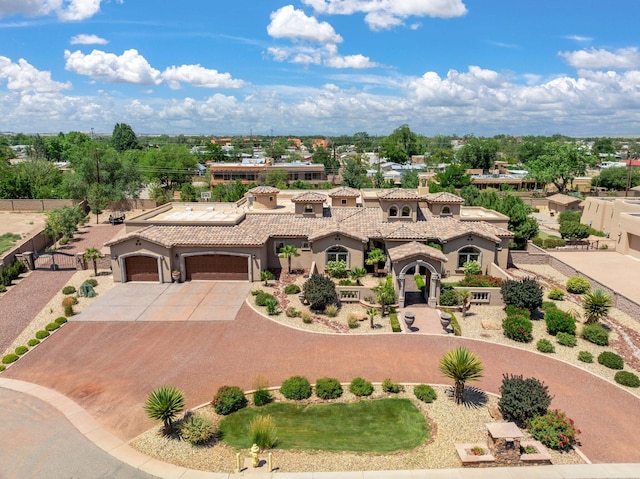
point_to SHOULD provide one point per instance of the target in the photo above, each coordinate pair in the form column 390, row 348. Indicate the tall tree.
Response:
column 559, row 164
column 354, row 173
column 454, row 175
column 123, row 138
column 410, row 179
column 97, row 200
column 480, row 153
column 170, row 165
column 400, row 145
column 288, row 251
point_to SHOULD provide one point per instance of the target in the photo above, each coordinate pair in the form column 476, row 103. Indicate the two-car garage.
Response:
column 198, row 267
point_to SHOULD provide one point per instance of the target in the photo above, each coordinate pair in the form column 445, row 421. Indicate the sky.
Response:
column 321, row 67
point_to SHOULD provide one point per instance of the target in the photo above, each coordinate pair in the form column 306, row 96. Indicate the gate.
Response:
column 54, row 261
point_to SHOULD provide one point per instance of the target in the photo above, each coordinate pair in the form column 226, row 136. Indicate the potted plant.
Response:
column 175, row 275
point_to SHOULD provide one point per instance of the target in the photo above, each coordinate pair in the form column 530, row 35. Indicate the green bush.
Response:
column 42, row 334
column 472, row 268
column 92, row 281
column 425, row 393
column 361, row 387
column 292, row 312
column 585, row 357
column 346, row 282
column 545, row 346
column 627, row 378
column 20, row 350
column 336, row 269
column 518, row 328
column 525, row 293
column 262, row 397
column 320, row 291
column 306, row 317
column 3, row 288
column 60, row 320
column 610, row 360
column 556, row 294
column 521, row 399
column 548, row 306
column 331, row 310
column 296, row 387
column 419, row 281
column 33, row 342
column 559, row 322
column 481, row 281
column 550, row 243
column 449, row 297
column 554, row 429
column 52, row 326
column 68, row 290
column 566, row 339
column 196, row 429
column 353, row 323
column 328, row 388
column 262, row 431
column 9, row 358
column 256, row 292
column 292, row 289
column 272, row 306
column 395, row 324
column 596, row 334
column 263, row 298
column 578, row 285
column 228, row 399
column 389, row 386
column 455, row 325
column 2, row 366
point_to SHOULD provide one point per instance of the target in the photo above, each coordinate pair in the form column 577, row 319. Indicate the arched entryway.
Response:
column 432, row 280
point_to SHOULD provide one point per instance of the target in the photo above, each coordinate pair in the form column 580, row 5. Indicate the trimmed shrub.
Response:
column 20, row 350
column 68, row 290
column 578, row 285
column 33, row 342
column 272, row 306
column 419, row 281
column 353, row 323
column 389, row 386
column 296, row 388
column 395, row 323
column 610, row 360
column 585, row 357
column 320, row 291
column 556, row 294
column 331, row 310
column 67, row 304
column 627, row 378
column 262, row 298
column 522, row 399
column 518, row 328
column 596, row 334
column 292, row 312
column 3, row 288
column 559, row 321
column 2, row 366
column 425, row 393
column 545, row 346
column 262, row 431
column 42, row 334
column 448, row 296
column 60, row 320
column 196, row 429
column 481, row 281
column 455, row 325
column 566, row 339
column 361, row 387
column 328, row 388
column 472, row 268
column 292, row 289
column 10, row 358
column 554, row 429
column 92, row 281
column 262, row 397
column 51, row 326
column 346, row 282
column 525, row 293
column 306, row 317
column 336, row 269
column 256, row 292
column 228, row 399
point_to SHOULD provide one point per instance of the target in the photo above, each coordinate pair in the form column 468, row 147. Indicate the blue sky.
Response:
column 322, row 67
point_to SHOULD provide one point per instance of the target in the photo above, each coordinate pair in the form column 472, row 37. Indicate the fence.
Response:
column 35, row 205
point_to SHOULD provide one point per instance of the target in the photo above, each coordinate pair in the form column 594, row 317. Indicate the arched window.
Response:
column 445, row 210
column 469, row 253
column 406, row 211
column 393, row 211
column 308, row 208
column 338, row 253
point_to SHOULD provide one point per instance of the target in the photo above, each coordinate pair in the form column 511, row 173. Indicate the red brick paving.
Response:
column 109, row 368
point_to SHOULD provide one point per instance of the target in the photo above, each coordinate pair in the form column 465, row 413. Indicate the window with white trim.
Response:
column 338, row 253
column 470, row 253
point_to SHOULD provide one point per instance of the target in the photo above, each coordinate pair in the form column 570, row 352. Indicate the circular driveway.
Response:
column 110, row 367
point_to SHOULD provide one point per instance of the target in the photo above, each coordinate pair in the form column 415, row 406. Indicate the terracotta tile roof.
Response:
column 403, row 232
column 399, row 194
column 264, row 190
column 407, row 250
column 344, row 192
column 443, row 197
column 563, row 199
column 309, row 197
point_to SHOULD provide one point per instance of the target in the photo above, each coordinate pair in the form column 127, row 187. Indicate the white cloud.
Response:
column 130, row 67
column 198, row 76
column 621, row 59
column 579, row 38
column 66, row 10
column 326, row 55
column 350, row 61
column 287, row 22
column 385, row 14
column 24, row 78
column 84, row 39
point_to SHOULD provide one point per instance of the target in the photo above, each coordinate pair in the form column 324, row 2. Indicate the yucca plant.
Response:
column 461, row 365
column 596, row 304
column 165, row 403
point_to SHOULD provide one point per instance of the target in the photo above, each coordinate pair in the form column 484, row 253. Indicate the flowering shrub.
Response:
column 481, row 281
column 559, row 322
column 555, row 430
column 518, row 327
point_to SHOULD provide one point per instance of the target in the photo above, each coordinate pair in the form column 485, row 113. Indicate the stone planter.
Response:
column 409, row 318
column 175, row 276
column 445, row 320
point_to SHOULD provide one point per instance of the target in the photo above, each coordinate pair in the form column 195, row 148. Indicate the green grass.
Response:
column 543, row 235
column 7, row 241
column 378, row 426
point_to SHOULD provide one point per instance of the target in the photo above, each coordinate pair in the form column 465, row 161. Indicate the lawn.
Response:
column 7, row 241
column 543, row 235
column 378, row 426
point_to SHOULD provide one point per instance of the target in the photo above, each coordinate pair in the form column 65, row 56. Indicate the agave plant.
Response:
column 461, row 365
column 596, row 304
column 165, row 403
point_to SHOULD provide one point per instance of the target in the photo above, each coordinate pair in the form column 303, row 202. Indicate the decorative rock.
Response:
column 490, row 324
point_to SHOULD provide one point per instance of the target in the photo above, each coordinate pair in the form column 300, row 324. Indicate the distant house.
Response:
column 618, row 218
column 559, row 203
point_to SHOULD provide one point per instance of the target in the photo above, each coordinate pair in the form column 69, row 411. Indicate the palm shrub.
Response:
column 461, row 365
column 93, row 255
column 228, row 399
column 328, row 388
column 296, row 387
column 165, row 403
column 320, row 291
column 596, row 334
column 596, row 304
column 361, row 387
column 196, row 429
column 545, row 346
column 288, row 251
column 578, row 285
column 610, row 360
column 566, row 339
column 627, row 378
column 265, row 276
column 525, row 293
column 521, row 399
column 356, row 273
column 425, row 393
column 559, row 322
column 389, row 386
column 554, row 429
column 262, row 431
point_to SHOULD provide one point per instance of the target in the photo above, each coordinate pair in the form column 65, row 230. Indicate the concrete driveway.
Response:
column 192, row 301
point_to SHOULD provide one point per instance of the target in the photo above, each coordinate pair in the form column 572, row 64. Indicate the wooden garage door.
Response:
column 217, row 267
column 142, row 268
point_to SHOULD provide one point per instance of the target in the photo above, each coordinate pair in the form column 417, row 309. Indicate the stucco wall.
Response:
column 297, row 262
column 34, row 205
column 355, row 247
column 121, row 250
column 337, row 202
column 451, row 248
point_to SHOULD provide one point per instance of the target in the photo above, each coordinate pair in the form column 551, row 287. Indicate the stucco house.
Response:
column 426, row 234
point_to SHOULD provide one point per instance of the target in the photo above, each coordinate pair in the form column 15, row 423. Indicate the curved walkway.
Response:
column 109, row 368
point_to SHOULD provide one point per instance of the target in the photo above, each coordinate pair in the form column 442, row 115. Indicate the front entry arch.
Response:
column 433, row 283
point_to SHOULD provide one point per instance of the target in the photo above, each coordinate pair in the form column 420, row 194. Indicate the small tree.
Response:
column 375, row 257
column 97, row 200
column 357, row 273
column 93, row 255
column 372, row 313
column 461, row 365
column 385, row 293
column 320, row 291
column 288, row 251
column 596, row 304
column 525, row 293
column 165, row 403
column 266, row 276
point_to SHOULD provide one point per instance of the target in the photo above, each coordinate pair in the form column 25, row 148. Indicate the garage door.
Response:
column 217, row 267
column 141, row 268
column 634, row 245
